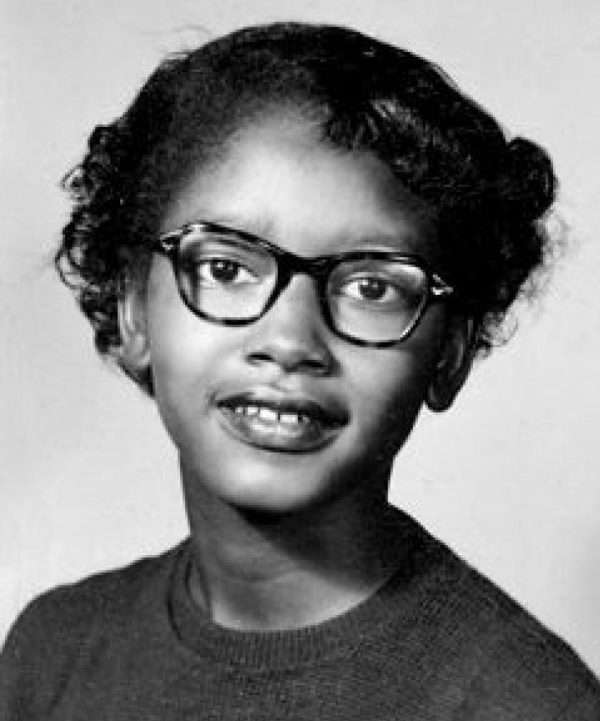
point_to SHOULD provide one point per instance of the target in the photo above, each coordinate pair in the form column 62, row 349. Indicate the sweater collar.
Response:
column 394, row 606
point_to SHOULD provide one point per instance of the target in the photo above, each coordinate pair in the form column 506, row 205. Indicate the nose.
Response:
column 292, row 334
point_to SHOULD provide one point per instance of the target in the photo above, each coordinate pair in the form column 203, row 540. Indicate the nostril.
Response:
column 316, row 364
column 315, row 361
column 258, row 357
column 290, row 347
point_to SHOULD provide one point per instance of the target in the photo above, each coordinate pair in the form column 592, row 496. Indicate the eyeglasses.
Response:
column 371, row 298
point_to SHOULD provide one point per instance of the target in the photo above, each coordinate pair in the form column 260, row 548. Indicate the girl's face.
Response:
column 217, row 386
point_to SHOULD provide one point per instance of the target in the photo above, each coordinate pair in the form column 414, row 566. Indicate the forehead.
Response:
column 280, row 180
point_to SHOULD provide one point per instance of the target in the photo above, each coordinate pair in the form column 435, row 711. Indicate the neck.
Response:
column 254, row 572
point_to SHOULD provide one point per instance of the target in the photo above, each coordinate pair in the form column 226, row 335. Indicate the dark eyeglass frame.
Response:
column 288, row 265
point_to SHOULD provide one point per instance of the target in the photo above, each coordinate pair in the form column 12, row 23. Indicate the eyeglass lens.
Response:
column 232, row 279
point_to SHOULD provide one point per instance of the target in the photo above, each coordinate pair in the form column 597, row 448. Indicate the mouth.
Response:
column 280, row 423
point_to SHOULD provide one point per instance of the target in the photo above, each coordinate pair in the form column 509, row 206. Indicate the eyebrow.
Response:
column 386, row 241
column 260, row 227
column 264, row 228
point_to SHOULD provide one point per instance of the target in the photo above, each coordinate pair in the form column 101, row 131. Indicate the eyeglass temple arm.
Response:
column 439, row 287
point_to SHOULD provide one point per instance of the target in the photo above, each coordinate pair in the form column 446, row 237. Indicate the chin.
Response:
column 274, row 493
column 261, row 482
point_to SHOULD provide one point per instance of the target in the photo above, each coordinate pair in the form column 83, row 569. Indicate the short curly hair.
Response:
column 490, row 194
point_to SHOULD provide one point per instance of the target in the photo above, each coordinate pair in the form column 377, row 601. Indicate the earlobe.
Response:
column 135, row 348
column 454, row 364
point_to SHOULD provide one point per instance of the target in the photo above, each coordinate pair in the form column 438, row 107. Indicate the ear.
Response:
column 454, row 363
column 135, row 347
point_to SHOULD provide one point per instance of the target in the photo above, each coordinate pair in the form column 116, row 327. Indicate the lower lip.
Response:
column 274, row 436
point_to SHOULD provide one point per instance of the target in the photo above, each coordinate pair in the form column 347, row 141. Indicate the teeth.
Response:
column 272, row 416
column 268, row 414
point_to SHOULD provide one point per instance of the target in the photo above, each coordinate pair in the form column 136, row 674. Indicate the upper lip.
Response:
column 327, row 410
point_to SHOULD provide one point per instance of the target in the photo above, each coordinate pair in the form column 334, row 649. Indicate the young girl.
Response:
column 293, row 239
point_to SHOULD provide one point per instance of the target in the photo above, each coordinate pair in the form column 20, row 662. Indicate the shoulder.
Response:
column 503, row 657
column 72, row 607
column 51, row 632
column 523, row 661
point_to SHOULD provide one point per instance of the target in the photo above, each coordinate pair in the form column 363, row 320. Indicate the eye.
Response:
column 223, row 271
column 372, row 289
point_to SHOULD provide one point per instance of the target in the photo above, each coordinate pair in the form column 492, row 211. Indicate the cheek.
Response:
column 181, row 344
column 392, row 392
column 174, row 341
column 183, row 348
column 390, row 386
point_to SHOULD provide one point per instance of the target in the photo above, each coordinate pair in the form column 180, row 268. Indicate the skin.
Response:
column 284, row 540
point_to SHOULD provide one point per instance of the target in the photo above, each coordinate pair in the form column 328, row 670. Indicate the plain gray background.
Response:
column 509, row 477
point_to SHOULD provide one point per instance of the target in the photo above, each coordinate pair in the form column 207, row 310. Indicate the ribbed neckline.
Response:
column 395, row 601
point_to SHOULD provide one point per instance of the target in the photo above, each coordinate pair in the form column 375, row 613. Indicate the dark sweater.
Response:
column 438, row 641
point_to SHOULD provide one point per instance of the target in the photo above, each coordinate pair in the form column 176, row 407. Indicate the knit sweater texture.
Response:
column 437, row 642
